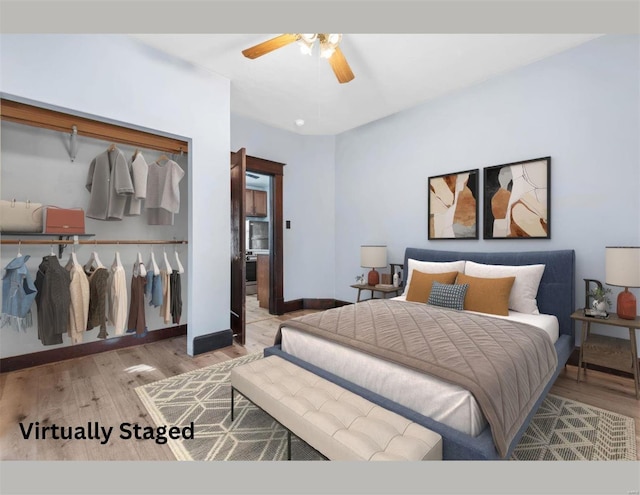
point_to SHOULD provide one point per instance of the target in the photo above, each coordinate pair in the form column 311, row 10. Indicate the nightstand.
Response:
column 385, row 290
column 612, row 352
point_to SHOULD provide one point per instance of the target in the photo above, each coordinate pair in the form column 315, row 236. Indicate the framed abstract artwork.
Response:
column 516, row 201
column 453, row 205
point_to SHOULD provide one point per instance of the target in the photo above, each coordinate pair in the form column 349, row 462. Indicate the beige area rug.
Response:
column 562, row 429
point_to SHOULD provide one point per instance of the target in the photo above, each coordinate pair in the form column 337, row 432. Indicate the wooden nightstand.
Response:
column 373, row 288
column 612, row 352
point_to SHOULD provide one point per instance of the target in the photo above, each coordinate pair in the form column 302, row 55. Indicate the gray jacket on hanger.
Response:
column 53, row 300
column 109, row 182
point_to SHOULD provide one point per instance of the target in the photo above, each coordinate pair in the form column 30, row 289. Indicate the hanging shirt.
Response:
column 98, row 279
column 109, row 183
column 139, row 175
column 18, row 294
column 163, row 192
column 165, row 308
column 117, row 297
column 79, row 307
column 53, row 300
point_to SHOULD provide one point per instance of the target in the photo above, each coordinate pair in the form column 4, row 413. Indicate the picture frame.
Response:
column 452, row 210
column 517, row 200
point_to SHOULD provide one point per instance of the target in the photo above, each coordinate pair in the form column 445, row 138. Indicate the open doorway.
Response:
column 241, row 200
column 258, row 213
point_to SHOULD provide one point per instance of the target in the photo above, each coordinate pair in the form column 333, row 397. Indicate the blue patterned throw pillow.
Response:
column 448, row 295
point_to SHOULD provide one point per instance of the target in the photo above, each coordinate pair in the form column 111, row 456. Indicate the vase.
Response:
column 599, row 305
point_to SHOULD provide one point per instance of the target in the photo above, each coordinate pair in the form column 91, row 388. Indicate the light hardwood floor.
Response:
column 101, row 388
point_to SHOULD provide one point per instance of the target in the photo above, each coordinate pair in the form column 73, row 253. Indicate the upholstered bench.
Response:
column 339, row 424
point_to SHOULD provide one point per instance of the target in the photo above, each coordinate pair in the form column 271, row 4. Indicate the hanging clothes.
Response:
column 139, row 174
column 163, row 192
column 165, row 308
column 117, row 297
column 137, row 320
column 79, row 306
column 52, row 300
column 176, row 297
column 153, row 289
column 109, row 183
column 98, row 288
column 18, row 294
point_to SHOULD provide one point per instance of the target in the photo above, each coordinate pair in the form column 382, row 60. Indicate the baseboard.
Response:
column 575, row 358
column 14, row 363
column 212, row 341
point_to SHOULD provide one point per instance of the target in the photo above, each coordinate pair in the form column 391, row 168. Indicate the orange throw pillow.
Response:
column 420, row 286
column 487, row 295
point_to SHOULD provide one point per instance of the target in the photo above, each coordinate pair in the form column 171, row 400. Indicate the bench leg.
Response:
column 288, row 445
column 232, row 401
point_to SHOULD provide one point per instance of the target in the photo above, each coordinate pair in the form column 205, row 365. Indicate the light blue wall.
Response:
column 580, row 107
column 308, row 202
column 115, row 77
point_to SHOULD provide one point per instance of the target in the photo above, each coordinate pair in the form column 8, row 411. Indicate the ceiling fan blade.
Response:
column 269, row 45
column 340, row 66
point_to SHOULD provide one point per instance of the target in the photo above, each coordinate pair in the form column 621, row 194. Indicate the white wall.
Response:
column 119, row 79
column 581, row 107
column 308, row 202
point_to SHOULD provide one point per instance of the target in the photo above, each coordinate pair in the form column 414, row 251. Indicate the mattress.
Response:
column 446, row 403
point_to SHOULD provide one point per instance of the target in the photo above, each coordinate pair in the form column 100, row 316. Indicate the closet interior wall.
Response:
column 36, row 165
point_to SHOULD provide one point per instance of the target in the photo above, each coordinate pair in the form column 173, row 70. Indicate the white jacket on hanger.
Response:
column 117, row 299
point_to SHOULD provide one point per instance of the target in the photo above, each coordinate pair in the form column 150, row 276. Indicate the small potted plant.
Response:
column 600, row 298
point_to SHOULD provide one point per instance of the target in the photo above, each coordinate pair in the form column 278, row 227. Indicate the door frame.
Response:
column 276, row 260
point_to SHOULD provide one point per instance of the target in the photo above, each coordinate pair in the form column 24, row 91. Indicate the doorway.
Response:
column 241, row 164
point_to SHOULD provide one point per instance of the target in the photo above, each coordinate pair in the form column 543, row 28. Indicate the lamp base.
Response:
column 626, row 305
column 374, row 277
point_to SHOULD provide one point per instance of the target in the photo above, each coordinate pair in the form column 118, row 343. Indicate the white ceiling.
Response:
column 392, row 72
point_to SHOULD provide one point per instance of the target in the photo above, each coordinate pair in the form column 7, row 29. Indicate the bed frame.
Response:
column 556, row 296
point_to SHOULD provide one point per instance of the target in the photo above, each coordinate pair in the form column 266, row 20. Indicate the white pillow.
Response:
column 525, row 287
column 432, row 267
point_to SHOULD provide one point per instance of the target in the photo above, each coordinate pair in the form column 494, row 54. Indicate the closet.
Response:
column 46, row 155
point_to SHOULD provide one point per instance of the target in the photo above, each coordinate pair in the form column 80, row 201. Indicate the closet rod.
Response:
column 71, row 241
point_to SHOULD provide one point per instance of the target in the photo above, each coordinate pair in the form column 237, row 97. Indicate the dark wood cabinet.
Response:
column 255, row 203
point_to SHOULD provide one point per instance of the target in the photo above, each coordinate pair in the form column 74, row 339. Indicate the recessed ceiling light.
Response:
column 299, row 122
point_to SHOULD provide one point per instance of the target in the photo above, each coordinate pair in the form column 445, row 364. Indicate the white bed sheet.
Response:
column 443, row 401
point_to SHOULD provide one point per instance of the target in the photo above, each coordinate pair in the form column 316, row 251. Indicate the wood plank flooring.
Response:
column 101, row 388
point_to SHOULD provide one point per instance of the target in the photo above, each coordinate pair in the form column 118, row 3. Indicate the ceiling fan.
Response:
column 329, row 49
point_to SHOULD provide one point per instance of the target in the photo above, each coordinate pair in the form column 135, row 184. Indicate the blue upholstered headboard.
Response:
column 556, row 294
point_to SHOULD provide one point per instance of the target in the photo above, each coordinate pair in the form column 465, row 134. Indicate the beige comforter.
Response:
column 505, row 364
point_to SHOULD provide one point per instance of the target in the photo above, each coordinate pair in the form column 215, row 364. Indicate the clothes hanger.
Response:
column 162, row 157
column 73, row 259
column 94, row 258
column 19, row 246
column 153, row 264
column 142, row 271
column 135, row 154
column 180, row 267
column 167, row 266
column 112, row 147
column 117, row 262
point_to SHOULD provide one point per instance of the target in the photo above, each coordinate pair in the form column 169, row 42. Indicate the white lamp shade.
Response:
column 373, row 256
column 622, row 266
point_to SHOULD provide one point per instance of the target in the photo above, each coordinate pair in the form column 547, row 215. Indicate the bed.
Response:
column 461, row 414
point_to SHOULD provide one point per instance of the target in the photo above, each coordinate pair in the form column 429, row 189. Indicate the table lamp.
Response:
column 622, row 267
column 373, row 257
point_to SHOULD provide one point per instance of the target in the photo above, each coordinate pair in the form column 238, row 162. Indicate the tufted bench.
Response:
column 339, row 424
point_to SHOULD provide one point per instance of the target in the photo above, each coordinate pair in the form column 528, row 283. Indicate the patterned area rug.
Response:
column 562, row 429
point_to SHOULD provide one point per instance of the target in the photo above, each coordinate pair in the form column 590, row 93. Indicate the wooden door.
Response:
column 238, row 248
